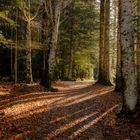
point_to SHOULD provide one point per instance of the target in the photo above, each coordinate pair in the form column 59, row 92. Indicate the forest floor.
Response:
column 79, row 111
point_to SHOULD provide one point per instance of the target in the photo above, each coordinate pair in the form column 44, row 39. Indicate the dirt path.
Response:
column 79, row 111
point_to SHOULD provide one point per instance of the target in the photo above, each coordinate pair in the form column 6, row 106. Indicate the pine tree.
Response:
column 104, row 61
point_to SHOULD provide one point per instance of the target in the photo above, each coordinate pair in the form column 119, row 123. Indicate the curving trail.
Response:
column 79, row 111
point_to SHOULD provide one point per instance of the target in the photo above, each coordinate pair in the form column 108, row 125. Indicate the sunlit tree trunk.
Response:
column 101, row 45
column 113, row 47
column 128, row 59
column 28, row 18
column 104, row 61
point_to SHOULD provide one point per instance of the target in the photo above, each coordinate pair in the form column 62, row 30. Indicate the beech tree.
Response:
column 25, row 8
column 53, row 10
column 127, row 55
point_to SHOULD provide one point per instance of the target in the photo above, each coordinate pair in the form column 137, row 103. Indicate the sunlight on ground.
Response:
column 21, row 108
column 71, row 111
column 71, row 124
column 87, row 126
column 86, row 97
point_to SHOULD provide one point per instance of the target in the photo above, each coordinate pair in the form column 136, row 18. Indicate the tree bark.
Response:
column 53, row 43
column 101, row 43
column 44, row 45
column 119, row 78
column 128, row 58
column 71, row 44
column 104, row 55
column 107, row 44
column 138, row 45
column 52, row 9
column 11, row 57
column 113, row 47
column 29, row 78
column 16, row 49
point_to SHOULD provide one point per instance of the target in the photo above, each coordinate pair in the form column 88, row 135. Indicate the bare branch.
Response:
column 65, row 3
column 35, row 13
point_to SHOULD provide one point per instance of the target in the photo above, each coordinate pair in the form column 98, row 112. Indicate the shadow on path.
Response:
column 74, row 113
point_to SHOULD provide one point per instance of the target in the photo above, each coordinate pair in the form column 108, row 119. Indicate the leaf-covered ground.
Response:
column 79, row 111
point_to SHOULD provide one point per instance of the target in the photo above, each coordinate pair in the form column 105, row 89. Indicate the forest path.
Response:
column 79, row 111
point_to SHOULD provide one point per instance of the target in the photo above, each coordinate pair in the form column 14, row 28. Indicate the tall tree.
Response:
column 71, row 42
column 45, row 39
column 138, row 43
column 80, row 37
column 104, row 62
column 128, row 58
column 113, row 38
column 16, row 48
column 119, row 79
column 53, row 9
column 25, row 8
column 101, row 45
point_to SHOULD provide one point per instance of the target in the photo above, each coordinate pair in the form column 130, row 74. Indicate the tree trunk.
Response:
column 11, row 57
column 44, row 46
column 113, row 48
column 101, row 44
column 138, row 44
column 52, row 39
column 71, row 44
column 53, row 44
column 52, row 9
column 106, row 44
column 29, row 78
column 104, row 61
column 128, row 58
column 16, row 48
column 70, row 63
column 119, row 79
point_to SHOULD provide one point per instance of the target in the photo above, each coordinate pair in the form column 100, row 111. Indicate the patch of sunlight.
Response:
column 74, row 85
column 18, row 109
column 19, row 100
column 91, row 96
column 4, row 93
column 87, row 126
column 70, row 115
column 71, row 124
column 75, row 97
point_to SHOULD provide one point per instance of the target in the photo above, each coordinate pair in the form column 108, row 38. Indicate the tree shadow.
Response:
column 21, row 97
column 72, row 114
